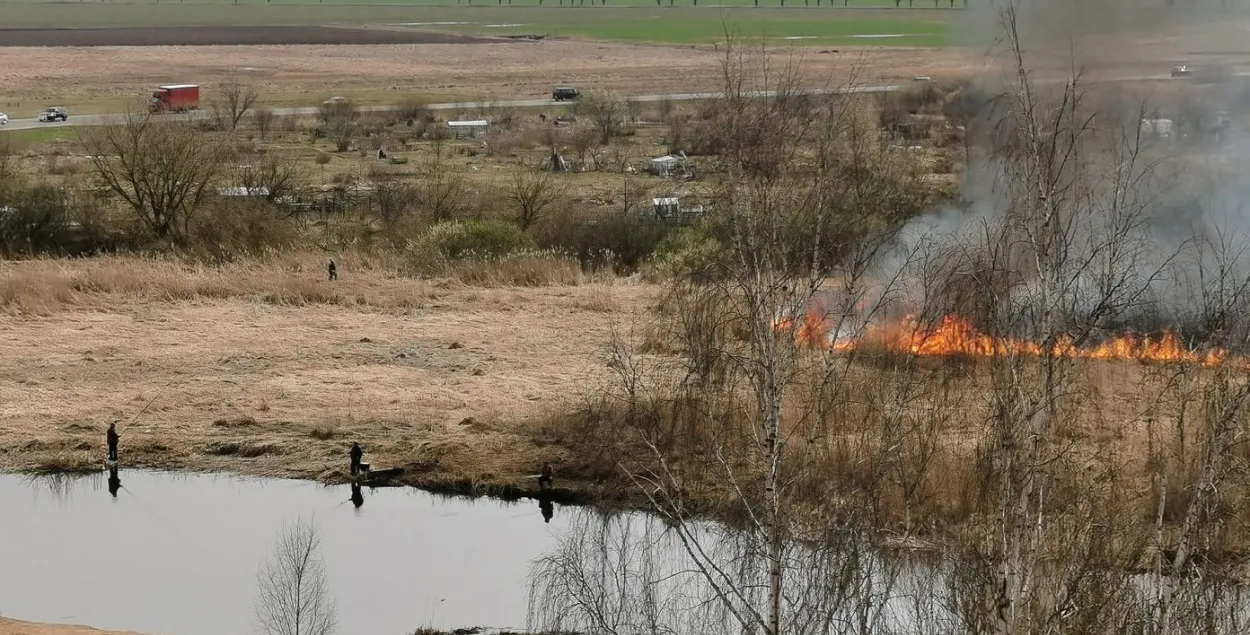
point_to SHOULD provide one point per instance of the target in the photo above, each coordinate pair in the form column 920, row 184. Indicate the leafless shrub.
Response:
column 533, row 193
column 441, row 193
column 274, row 175
column 606, row 111
column 263, row 117
column 340, row 118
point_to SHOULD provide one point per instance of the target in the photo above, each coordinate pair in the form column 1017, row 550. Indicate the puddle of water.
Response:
column 877, row 35
column 432, row 23
column 177, row 554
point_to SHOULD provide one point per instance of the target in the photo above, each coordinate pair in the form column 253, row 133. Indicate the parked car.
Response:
column 54, row 113
column 4, row 119
column 564, row 93
column 1181, row 70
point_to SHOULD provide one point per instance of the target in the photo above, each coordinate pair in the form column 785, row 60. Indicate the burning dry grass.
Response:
column 266, row 368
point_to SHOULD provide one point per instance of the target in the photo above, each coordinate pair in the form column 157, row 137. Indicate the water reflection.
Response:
column 632, row 573
column 177, row 539
column 115, row 482
column 546, row 508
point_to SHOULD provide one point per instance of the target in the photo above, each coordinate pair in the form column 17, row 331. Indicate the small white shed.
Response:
column 664, row 166
column 666, row 207
column 469, row 129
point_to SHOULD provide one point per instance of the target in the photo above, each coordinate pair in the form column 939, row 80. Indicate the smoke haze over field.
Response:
column 1155, row 228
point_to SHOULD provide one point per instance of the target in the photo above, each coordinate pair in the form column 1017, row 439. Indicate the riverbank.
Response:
column 14, row 627
column 268, row 370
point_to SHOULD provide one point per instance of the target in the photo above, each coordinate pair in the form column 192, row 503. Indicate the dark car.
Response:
column 54, row 113
column 565, row 93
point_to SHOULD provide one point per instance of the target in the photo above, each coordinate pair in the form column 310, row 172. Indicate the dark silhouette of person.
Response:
column 545, row 478
column 358, row 497
column 547, row 508
column 112, row 438
column 334, row 271
column 115, row 482
column 356, row 454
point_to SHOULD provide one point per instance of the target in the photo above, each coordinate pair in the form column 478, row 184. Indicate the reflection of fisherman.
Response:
column 112, row 437
column 547, row 509
column 115, row 482
column 356, row 455
column 545, row 477
column 358, row 498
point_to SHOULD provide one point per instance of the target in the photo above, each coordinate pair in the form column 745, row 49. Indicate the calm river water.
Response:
column 178, row 554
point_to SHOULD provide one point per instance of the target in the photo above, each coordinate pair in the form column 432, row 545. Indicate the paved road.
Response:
column 99, row 120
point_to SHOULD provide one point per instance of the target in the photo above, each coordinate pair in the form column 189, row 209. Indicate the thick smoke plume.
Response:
column 1151, row 187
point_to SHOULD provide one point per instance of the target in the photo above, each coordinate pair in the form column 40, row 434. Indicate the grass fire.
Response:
column 955, row 335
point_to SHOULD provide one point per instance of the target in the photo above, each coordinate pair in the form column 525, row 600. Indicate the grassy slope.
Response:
column 630, row 21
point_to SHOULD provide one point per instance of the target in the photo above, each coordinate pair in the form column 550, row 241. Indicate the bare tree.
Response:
column 440, row 194
column 162, row 170
column 235, row 102
column 533, row 193
column 293, row 594
column 275, row 175
column 339, row 117
column 605, row 110
column 263, row 117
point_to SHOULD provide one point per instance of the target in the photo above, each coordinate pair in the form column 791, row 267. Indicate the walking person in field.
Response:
column 112, row 438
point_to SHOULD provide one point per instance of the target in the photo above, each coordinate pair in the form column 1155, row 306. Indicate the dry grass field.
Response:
column 14, row 627
column 113, row 79
column 269, row 369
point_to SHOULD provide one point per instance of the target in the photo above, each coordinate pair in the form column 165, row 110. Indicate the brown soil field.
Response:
column 224, row 35
column 105, row 79
column 272, row 370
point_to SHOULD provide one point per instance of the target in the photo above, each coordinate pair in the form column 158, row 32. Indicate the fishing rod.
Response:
column 149, row 404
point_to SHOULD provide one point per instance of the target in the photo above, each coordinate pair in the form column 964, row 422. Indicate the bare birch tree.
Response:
column 293, row 594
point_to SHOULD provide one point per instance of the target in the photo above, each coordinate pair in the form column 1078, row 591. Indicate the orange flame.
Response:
column 955, row 335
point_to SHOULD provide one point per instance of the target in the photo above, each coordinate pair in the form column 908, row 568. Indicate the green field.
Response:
column 40, row 135
column 623, row 20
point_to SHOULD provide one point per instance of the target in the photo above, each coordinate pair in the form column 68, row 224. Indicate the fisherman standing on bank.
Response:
column 356, row 454
column 546, row 479
column 112, row 438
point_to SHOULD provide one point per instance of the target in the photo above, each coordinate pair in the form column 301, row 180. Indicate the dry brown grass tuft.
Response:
column 44, row 287
column 520, row 270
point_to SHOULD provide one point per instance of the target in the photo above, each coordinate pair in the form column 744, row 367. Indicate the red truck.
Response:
column 175, row 98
